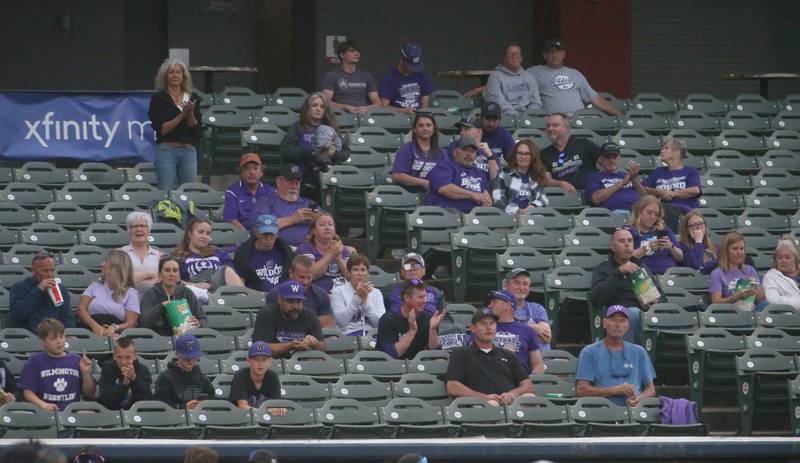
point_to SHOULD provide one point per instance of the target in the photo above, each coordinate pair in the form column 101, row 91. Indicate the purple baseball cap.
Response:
column 412, row 56
column 259, row 348
column 612, row 309
column 291, row 289
column 188, row 346
column 503, row 295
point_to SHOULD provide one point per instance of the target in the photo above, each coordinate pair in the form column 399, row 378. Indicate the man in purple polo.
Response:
column 406, row 88
column 459, row 184
column 613, row 190
column 242, row 195
column 513, row 335
column 294, row 212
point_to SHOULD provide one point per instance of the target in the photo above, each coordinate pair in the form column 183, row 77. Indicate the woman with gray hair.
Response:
column 675, row 184
column 175, row 116
column 782, row 283
column 143, row 256
column 313, row 142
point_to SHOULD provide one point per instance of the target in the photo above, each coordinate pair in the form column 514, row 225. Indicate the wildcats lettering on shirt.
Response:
column 471, row 183
column 609, row 182
column 409, row 93
column 271, row 273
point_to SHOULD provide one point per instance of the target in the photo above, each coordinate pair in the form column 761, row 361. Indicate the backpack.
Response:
column 678, row 411
column 178, row 213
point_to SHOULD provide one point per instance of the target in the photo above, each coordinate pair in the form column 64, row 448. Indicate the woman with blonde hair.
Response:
column 202, row 264
column 725, row 278
column 175, row 116
column 654, row 243
column 329, row 253
column 111, row 305
column 313, row 142
column 520, row 186
column 782, row 283
column 695, row 242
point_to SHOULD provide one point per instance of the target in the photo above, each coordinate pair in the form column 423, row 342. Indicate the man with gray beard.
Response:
column 294, row 212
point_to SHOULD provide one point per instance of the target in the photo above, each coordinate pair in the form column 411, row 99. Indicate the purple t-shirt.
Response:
column 103, row 301
column 268, row 266
column 532, row 313
column 665, row 179
column 659, row 261
column 623, row 199
column 55, row 380
column 519, row 338
column 500, row 142
column 295, row 234
column 239, row 202
column 481, row 160
column 409, row 160
column 405, row 91
column 333, row 275
column 451, row 172
column 725, row 282
column 194, row 264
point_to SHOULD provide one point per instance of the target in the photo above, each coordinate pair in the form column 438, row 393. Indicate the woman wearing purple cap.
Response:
column 183, row 384
column 415, row 159
column 300, row 145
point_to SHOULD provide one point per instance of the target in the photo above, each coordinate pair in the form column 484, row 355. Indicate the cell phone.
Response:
column 313, row 206
column 661, row 234
column 202, row 397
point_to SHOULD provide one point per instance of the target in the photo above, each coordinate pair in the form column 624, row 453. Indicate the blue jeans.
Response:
column 173, row 164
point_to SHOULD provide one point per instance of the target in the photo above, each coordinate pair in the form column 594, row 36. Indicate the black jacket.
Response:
column 154, row 315
column 241, row 262
column 610, row 286
column 113, row 391
column 175, row 387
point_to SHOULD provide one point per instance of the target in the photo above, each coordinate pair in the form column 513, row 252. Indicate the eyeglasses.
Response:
column 696, row 226
column 415, row 266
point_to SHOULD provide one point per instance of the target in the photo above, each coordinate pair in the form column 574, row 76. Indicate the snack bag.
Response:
column 645, row 288
column 748, row 302
column 178, row 313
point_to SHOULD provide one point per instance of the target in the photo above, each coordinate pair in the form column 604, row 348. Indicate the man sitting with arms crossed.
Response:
column 288, row 327
column 485, row 371
column 614, row 368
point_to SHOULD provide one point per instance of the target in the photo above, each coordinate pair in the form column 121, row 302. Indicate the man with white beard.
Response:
column 294, row 212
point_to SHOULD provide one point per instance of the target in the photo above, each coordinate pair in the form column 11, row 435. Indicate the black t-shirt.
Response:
column 393, row 326
column 572, row 164
column 272, row 327
column 495, row 372
column 242, row 388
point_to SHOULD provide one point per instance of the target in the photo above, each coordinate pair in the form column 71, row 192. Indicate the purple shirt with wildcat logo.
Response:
column 678, row 179
column 333, row 276
column 56, row 380
column 405, row 91
column 451, row 172
column 194, row 264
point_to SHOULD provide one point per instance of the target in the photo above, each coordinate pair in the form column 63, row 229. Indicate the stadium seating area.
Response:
column 747, row 149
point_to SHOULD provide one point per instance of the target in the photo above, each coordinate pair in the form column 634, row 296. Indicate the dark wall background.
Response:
column 678, row 47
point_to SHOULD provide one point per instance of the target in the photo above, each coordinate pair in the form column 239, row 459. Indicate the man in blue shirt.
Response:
column 243, row 194
column 613, row 368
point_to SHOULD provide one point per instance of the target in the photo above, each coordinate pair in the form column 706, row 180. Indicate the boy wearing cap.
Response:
column 346, row 86
column 294, row 212
column 287, row 326
column 124, row 380
column 484, row 370
column 243, row 194
column 406, row 88
column 183, row 384
column 263, row 260
column 513, row 335
column 403, row 335
column 412, row 267
column 253, row 385
column 613, row 190
column 563, row 89
column 518, row 283
column 613, row 368
column 459, row 184
column 55, row 378
column 513, row 89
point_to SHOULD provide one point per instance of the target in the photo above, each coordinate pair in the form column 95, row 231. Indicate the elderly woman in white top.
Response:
column 144, row 257
column 782, row 283
column 357, row 305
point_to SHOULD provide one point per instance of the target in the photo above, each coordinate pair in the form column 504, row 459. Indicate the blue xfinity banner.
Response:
column 101, row 127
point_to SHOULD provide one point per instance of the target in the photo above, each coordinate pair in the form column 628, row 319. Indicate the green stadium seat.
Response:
column 705, row 103
column 722, row 200
column 579, row 256
column 599, row 217
column 547, row 218
column 42, row 173
column 595, row 120
column 733, row 160
column 782, row 316
column 143, row 172
column 586, row 134
column 92, row 420
column 654, row 102
column 696, row 143
column 141, row 194
column 11, row 274
column 650, row 122
column 202, row 195
column 695, row 120
column 27, row 195
column 224, row 234
column 533, row 119
column 638, row 140
column 537, row 238
column 378, row 364
column 318, row 365
column 165, row 235
column 224, row 123
column 477, row 418
column 242, row 97
column 588, row 236
column 362, row 387
column 238, row 298
column 149, row 344
column 740, row 140
column 339, row 346
column 14, row 216
column 745, row 120
column 222, row 386
column 382, row 280
column 104, row 235
column 265, row 140
column 75, row 277
column 227, row 321
column 116, row 212
column 560, row 363
column 604, row 418
column 711, row 353
column 6, row 175
column 620, row 103
column 729, row 317
column 386, row 209
column 566, row 299
column 728, row 179
column 297, row 422
column 208, row 365
column 432, row 362
column 755, row 103
column 473, row 251
column 563, row 201
column 665, row 327
column 23, row 420
column 532, row 260
column 21, row 254
column 773, row 199
column 220, row 419
column 429, row 227
column 343, row 195
column 765, row 219
column 386, row 118
column 445, row 120
column 50, row 236
column 538, row 417
column 67, row 214
column 216, row 345
column 279, row 116
column 376, row 137
column 98, row 174
column 345, row 120
column 350, row 419
column 290, row 97
column 490, row 217
column 762, row 375
column 648, row 412
column 451, row 100
column 774, row 338
column 786, row 120
column 304, row 391
column 413, row 418
column 537, row 136
column 154, row 419
column 83, row 194
column 646, row 162
column 554, row 388
column 422, row 386
column 775, row 177
column 13, row 362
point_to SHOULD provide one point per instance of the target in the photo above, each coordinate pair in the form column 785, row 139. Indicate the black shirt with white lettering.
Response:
column 393, row 326
column 243, row 388
column 495, row 372
column 272, row 327
column 574, row 163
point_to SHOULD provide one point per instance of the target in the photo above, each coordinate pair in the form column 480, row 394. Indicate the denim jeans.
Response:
column 175, row 164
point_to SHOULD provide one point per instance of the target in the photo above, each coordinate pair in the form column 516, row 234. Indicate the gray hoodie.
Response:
column 515, row 92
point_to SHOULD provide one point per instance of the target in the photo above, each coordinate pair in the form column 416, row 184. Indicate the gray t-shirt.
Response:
column 352, row 89
column 563, row 90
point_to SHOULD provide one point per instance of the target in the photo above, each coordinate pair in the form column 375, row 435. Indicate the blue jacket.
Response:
column 30, row 305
